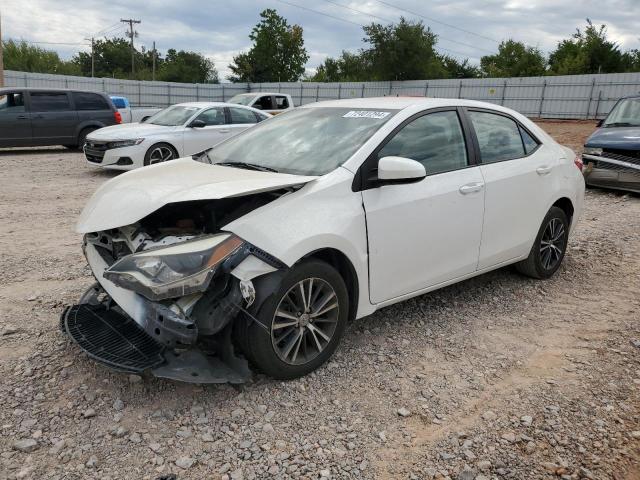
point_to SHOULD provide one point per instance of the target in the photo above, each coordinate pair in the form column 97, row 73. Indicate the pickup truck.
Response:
column 132, row 114
column 272, row 103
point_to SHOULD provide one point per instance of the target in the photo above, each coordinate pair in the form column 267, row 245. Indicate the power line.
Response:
column 437, row 21
column 392, row 21
column 46, row 43
column 464, row 55
column 100, row 32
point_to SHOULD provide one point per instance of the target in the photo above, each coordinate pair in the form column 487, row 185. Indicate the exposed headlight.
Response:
column 174, row 271
column 125, row 143
column 592, row 151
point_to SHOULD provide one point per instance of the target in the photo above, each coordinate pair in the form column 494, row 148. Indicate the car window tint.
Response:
column 498, row 137
column 90, row 101
column 242, row 115
column 281, row 102
column 119, row 102
column 213, row 116
column 530, row 143
column 435, row 140
column 11, row 103
column 263, row 103
column 49, row 102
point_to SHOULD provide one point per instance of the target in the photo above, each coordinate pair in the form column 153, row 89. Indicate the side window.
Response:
column 498, row 137
column 118, row 102
column 261, row 116
column 12, row 103
column 90, row 101
column 49, row 102
column 281, row 102
column 530, row 143
column 435, row 140
column 263, row 103
column 213, row 116
column 242, row 115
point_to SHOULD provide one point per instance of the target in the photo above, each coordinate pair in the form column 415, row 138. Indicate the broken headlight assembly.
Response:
column 174, row 271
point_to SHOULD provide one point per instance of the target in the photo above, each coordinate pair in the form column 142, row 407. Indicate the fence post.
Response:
column 104, row 86
column 339, row 91
column 198, row 92
column 139, row 93
column 595, row 115
column 390, row 87
column 426, row 88
column 223, row 92
column 362, row 91
column 544, row 88
column 504, row 92
column 460, row 90
column 301, row 87
column 593, row 86
column 169, row 92
column 317, row 92
column 279, row 88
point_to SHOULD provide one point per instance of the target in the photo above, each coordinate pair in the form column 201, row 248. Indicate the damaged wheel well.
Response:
column 340, row 262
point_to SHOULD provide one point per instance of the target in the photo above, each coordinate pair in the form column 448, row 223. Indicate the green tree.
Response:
column 191, row 67
column 23, row 57
column 112, row 58
column 588, row 51
column 514, row 59
column 349, row 67
column 277, row 53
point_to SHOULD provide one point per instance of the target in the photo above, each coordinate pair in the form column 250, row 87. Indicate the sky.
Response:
column 219, row 29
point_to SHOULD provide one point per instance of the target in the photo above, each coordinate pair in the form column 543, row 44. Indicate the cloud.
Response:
column 220, row 30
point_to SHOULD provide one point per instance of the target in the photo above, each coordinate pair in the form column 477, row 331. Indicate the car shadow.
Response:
column 36, row 150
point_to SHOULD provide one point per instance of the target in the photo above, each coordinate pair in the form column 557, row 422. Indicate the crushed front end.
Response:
column 168, row 290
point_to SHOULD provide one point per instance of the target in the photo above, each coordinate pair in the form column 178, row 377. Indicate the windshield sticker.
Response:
column 365, row 114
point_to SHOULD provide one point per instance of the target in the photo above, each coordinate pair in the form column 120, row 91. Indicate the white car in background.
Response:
column 272, row 103
column 177, row 131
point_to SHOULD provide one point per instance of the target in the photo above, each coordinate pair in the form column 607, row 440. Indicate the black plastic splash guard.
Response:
column 112, row 338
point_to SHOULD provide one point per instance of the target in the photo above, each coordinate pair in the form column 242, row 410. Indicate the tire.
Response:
column 546, row 254
column 82, row 138
column 160, row 152
column 301, row 349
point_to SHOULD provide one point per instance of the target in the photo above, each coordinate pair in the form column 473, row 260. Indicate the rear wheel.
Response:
column 305, row 320
column 160, row 152
column 549, row 247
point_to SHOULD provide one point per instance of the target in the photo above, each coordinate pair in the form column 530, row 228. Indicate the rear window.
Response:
column 119, row 102
column 49, row 101
column 11, row 103
column 90, row 101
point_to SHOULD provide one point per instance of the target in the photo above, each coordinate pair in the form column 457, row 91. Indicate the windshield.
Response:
column 172, row 116
column 626, row 113
column 242, row 99
column 305, row 141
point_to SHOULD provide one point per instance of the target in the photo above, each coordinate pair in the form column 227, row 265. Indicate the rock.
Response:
column 26, row 445
column 135, row 437
column 467, row 474
column 509, row 437
column 489, row 416
column 133, row 379
column 268, row 428
column 184, row 433
column 224, row 468
column 92, row 462
column 403, row 412
column 635, row 434
column 185, row 462
column 526, row 420
column 155, row 447
column 89, row 413
column 237, row 413
column 118, row 405
column 635, row 342
column 326, row 473
column 484, row 465
column 530, row 447
column 237, row 475
column 382, row 436
column 549, row 467
column 207, row 437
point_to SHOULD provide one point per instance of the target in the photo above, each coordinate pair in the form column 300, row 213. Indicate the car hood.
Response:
column 623, row 138
column 128, row 131
column 134, row 195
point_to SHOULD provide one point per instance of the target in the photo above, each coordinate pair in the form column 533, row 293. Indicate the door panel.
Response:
column 52, row 120
column 424, row 233
column 15, row 121
column 214, row 131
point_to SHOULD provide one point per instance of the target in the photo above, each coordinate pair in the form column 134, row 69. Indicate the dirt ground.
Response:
column 498, row 377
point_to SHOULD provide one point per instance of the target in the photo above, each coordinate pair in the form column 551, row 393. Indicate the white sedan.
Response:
column 176, row 131
column 263, row 249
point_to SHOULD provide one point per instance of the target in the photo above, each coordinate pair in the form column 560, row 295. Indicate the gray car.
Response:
column 32, row 117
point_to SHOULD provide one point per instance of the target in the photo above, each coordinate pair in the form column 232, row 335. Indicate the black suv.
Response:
column 31, row 117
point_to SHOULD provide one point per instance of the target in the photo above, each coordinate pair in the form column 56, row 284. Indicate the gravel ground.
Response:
column 498, row 377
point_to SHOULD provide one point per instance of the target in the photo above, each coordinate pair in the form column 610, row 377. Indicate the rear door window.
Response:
column 242, row 115
column 11, row 103
column 498, row 137
column 213, row 116
column 530, row 143
column 90, row 101
column 282, row 102
column 263, row 103
column 49, row 102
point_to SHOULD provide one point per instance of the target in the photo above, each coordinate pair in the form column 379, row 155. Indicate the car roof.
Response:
column 34, row 89
column 207, row 104
column 400, row 103
column 253, row 94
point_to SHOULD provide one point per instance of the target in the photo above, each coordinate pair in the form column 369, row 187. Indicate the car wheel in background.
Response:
column 305, row 320
column 549, row 247
column 82, row 138
column 160, row 152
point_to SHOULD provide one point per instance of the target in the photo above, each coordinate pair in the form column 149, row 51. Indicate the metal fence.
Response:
column 568, row 96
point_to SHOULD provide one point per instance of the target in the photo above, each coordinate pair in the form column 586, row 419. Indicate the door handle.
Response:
column 543, row 170
column 21, row 117
column 226, row 130
column 471, row 188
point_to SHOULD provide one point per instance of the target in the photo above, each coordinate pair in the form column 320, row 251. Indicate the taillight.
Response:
column 118, row 116
column 578, row 162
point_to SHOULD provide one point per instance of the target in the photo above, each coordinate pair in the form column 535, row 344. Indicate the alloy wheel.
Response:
column 552, row 244
column 305, row 321
column 160, row 154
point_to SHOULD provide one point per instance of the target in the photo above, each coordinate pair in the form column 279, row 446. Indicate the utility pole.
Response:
column 1, row 60
column 153, row 59
column 132, row 34
column 93, row 57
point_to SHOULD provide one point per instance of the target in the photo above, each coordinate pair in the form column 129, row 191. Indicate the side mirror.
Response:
column 197, row 124
column 145, row 118
column 400, row 168
column 599, row 124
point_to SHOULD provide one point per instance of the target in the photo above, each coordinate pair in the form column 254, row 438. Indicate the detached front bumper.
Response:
column 621, row 172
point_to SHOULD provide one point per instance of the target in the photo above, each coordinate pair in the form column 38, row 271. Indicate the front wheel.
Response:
column 158, row 153
column 305, row 320
column 549, row 247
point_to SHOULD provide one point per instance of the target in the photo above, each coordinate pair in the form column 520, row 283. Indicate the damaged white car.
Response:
column 259, row 251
